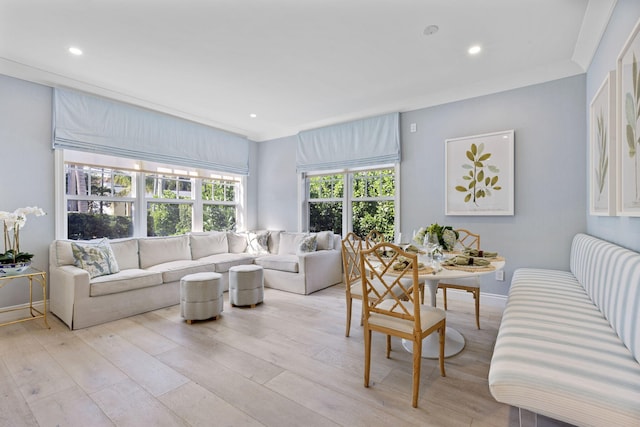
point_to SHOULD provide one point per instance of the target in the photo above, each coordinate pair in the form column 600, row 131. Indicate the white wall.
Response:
column 26, row 173
column 550, row 189
column 624, row 231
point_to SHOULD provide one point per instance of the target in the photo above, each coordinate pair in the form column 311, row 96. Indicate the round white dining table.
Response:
column 454, row 341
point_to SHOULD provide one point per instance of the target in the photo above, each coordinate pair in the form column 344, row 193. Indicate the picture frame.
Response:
column 479, row 174
column 602, row 149
column 628, row 126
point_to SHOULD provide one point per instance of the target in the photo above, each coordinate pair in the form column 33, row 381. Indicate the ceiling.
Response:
column 295, row 64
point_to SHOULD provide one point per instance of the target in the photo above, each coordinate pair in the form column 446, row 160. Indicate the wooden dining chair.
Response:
column 466, row 239
column 351, row 246
column 373, row 238
column 394, row 313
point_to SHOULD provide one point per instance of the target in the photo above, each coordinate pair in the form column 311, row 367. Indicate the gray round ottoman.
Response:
column 201, row 296
column 246, row 285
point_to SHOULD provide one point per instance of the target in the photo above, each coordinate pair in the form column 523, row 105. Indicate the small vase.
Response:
column 11, row 269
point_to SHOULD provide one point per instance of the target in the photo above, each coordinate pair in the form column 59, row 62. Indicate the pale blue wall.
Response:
column 550, row 189
column 26, row 173
column 624, row 231
column 278, row 186
column 551, row 157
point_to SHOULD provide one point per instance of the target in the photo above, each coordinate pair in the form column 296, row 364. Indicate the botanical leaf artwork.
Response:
column 632, row 110
column 482, row 177
column 603, row 159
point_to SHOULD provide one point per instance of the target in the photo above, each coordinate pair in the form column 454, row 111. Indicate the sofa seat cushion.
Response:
column 173, row 271
column 288, row 263
column 124, row 280
column 557, row 355
column 223, row 262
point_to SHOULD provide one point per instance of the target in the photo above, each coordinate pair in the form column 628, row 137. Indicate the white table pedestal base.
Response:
column 453, row 344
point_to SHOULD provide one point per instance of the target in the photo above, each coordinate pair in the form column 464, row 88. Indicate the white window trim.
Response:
column 347, row 200
column 139, row 219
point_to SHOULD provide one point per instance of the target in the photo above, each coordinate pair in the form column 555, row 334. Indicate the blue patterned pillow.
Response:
column 97, row 258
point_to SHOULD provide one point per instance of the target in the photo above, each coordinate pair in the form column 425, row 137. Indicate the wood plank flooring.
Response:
column 284, row 363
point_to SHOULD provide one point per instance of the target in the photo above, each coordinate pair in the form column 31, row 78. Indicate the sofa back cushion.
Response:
column 156, row 250
column 290, row 243
column 237, row 242
column 205, row 244
column 61, row 252
column 610, row 275
column 126, row 253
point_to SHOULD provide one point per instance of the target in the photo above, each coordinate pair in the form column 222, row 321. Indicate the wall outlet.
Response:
column 500, row 275
column 413, row 127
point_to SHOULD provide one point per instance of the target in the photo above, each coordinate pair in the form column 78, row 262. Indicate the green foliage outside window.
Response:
column 219, row 217
column 372, row 202
column 168, row 219
column 86, row 226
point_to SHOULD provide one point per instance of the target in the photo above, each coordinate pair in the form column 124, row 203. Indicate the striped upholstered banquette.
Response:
column 569, row 342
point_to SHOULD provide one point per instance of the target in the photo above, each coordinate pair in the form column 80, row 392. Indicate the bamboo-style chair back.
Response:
column 468, row 239
column 395, row 291
column 351, row 247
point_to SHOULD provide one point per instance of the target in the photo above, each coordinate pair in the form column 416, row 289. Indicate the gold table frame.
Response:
column 31, row 274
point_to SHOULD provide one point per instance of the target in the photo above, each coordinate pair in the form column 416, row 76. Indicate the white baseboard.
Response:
column 23, row 306
column 491, row 300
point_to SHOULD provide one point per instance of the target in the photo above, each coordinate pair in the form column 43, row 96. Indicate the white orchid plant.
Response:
column 12, row 223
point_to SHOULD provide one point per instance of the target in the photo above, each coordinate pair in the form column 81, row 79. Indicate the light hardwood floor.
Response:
column 284, row 363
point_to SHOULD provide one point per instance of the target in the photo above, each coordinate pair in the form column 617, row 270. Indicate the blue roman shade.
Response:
column 366, row 142
column 90, row 123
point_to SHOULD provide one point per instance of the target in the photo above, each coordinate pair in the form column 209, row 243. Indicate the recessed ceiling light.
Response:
column 75, row 51
column 253, row 115
column 430, row 29
column 474, row 50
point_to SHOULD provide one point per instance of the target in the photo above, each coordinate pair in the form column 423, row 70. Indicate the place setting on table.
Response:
column 443, row 256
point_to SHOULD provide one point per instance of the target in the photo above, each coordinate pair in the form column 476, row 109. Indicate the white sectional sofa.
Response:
column 569, row 342
column 148, row 272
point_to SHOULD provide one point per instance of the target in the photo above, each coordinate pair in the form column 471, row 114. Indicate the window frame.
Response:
column 347, row 198
column 139, row 200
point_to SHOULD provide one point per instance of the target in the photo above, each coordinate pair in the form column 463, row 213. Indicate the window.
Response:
column 133, row 198
column 99, row 202
column 358, row 201
column 373, row 202
column 219, row 199
column 326, row 199
column 169, row 202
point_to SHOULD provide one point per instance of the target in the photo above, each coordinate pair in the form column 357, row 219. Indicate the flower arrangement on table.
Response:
column 13, row 222
column 447, row 236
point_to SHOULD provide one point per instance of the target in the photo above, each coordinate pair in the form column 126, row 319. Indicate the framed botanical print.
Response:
column 602, row 144
column 628, row 147
column 479, row 174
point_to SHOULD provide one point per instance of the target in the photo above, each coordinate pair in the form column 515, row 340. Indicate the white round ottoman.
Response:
column 201, row 296
column 246, row 285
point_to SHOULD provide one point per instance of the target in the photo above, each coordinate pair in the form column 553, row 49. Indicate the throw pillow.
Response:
column 258, row 243
column 95, row 257
column 325, row 240
column 308, row 244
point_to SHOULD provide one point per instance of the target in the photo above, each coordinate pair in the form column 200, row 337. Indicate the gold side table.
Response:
column 31, row 274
